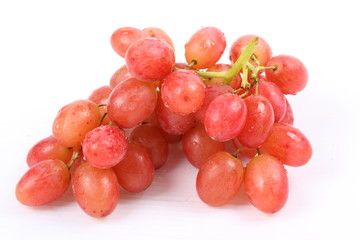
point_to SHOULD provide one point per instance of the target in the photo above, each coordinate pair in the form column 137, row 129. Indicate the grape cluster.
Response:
column 120, row 135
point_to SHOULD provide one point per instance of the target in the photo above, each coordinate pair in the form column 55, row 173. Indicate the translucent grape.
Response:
column 119, row 76
column 159, row 33
column 100, row 96
column 289, row 115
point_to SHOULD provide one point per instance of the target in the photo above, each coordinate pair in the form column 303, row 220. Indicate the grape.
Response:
column 150, row 59
column 183, row 92
column 220, row 67
column 96, row 190
column 198, row 146
column 262, row 51
column 219, row 179
column 156, row 32
column 123, row 37
column 274, row 95
column 211, row 92
column 266, row 183
column 136, row 172
column 225, row 117
column 289, row 145
column 153, row 139
column 74, row 120
column 100, row 96
column 131, row 102
column 205, row 47
column 290, row 74
column 289, row 115
column 259, row 121
column 48, row 148
column 119, row 76
column 171, row 122
column 244, row 151
column 43, row 183
column 104, row 146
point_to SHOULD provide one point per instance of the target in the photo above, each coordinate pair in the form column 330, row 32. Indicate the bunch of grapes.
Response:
column 120, row 135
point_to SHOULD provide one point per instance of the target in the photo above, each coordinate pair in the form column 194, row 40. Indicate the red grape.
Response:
column 262, row 51
column 153, row 139
column 100, row 96
column 74, row 120
column 266, row 183
column 219, row 179
column 289, row 145
column 289, row 115
column 123, row 37
column 290, row 73
column 225, row 117
column 156, row 32
column 131, row 102
column 205, row 47
column 48, row 148
column 198, row 146
column 244, row 151
column 150, row 59
column 135, row 172
column 221, row 67
column 183, row 92
column 104, row 146
column 119, row 76
column 44, row 182
column 96, row 190
column 259, row 121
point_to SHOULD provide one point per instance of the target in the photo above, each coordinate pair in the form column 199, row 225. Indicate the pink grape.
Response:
column 205, row 47
column 95, row 190
column 198, row 146
column 289, row 115
column 119, row 76
column 123, row 37
column 43, row 183
column 73, row 121
column 104, row 146
column 262, row 51
column 100, row 96
column 219, row 179
column 150, row 59
column 259, row 121
column 136, row 172
column 289, row 145
column 183, row 92
column 131, row 102
column 156, row 32
column 48, row 148
column 266, row 183
column 290, row 74
column 221, row 67
column 225, row 117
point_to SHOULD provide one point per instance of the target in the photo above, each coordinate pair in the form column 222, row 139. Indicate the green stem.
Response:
column 74, row 157
column 236, row 153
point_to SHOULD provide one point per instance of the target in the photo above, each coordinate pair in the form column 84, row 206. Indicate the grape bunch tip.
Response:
column 119, row 136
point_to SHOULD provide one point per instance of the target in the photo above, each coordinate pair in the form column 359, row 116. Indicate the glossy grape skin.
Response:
column 123, row 37
column 150, row 59
column 221, row 67
column 131, row 102
column 211, row 92
column 262, row 51
column 219, row 179
column 48, row 148
column 259, row 121
column 183, row 92
column 198, row 146
column 104, row 146
column 43, row 183
column 273, row 93
column 74, row 120
column 289, row 115
column 289, row 145
column 266, row 183
column 119, row 76
column 96, row 190
column 153, row 139
column 159, row 33
column 100, row 96
column 136, row 172
column 205, row 47
column 171, row 122
column 290, row 74
column 225, row 117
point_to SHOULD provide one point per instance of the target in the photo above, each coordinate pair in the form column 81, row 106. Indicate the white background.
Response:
column 54, row 52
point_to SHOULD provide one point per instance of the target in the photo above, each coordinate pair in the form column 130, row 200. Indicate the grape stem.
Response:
column 74, row 157
column 236, row 153
column 240, row 63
